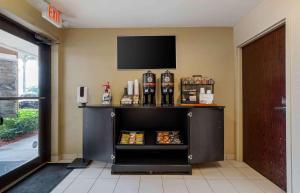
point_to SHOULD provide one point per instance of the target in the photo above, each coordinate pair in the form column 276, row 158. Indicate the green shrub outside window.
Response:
column 25, row 122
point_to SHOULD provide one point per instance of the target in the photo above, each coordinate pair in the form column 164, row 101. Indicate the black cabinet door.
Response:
column 206, row 134
column 98, row 134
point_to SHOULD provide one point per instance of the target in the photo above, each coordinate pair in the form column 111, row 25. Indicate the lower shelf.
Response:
column 151, row 147
column 151, row 157
column 150, row 169
column 152, row 161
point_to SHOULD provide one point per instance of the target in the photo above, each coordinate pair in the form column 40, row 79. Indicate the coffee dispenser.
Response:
column 167, row 88
column 149, row 86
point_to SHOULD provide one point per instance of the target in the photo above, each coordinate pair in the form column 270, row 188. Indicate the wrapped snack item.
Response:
column 166, row 139
column 132, row 138
column 124, row 138
column 165, row 133
column 139, row 139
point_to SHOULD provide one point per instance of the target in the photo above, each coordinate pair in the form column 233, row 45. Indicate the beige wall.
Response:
column 90, row 60
column 265, row 15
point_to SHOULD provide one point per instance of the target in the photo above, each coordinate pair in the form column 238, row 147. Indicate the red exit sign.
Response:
column 53, row 16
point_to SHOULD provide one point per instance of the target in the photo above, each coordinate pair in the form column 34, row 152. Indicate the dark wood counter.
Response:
column 186, row 106
column 201, row 129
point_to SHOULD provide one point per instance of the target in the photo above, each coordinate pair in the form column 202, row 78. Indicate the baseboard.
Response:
column 229, row 157
column 55, row 158
column 66, row 158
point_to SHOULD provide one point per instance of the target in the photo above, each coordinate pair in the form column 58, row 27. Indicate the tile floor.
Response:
column 219, row 177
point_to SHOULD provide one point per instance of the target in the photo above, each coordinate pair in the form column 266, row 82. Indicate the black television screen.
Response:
column 146, row 52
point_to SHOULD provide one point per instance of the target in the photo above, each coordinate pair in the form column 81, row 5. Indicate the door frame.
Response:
column 239, row 96
column 21, row 31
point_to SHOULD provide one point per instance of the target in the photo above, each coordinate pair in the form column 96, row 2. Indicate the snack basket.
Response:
column 139, row 138
column 168, row 138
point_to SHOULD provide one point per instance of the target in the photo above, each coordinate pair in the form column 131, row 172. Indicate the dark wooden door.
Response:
column 207, row 134
column 264, row 134
column 98, row 127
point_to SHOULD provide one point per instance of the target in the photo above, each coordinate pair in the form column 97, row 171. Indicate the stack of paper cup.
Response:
column 130, row 87
column 136, row 87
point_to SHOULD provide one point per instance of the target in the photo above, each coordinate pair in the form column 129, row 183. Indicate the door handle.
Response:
column 1, row 120
column 280, row 108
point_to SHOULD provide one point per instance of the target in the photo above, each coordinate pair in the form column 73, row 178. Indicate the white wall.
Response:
column 295, row 100
column 264, row 16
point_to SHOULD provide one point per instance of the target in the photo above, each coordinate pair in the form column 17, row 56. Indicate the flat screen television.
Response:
column 146, row 52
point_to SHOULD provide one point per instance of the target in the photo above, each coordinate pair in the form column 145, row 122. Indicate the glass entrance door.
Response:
column 18, row 78
column 24, row 102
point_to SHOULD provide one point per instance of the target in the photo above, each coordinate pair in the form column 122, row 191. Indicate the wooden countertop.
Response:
column 154, row 106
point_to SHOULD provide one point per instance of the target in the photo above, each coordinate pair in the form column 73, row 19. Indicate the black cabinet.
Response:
column 98, row 134
column 201, row 129
column 206, row 135
column 151, row 157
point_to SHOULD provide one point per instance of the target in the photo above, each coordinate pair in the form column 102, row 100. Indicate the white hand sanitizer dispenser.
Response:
column 82, row 95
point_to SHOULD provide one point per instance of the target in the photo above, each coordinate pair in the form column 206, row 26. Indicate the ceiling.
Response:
column 149, row 13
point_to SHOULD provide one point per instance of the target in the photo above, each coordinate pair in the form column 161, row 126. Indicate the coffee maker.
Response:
column 149, row 86
column 167, row 88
